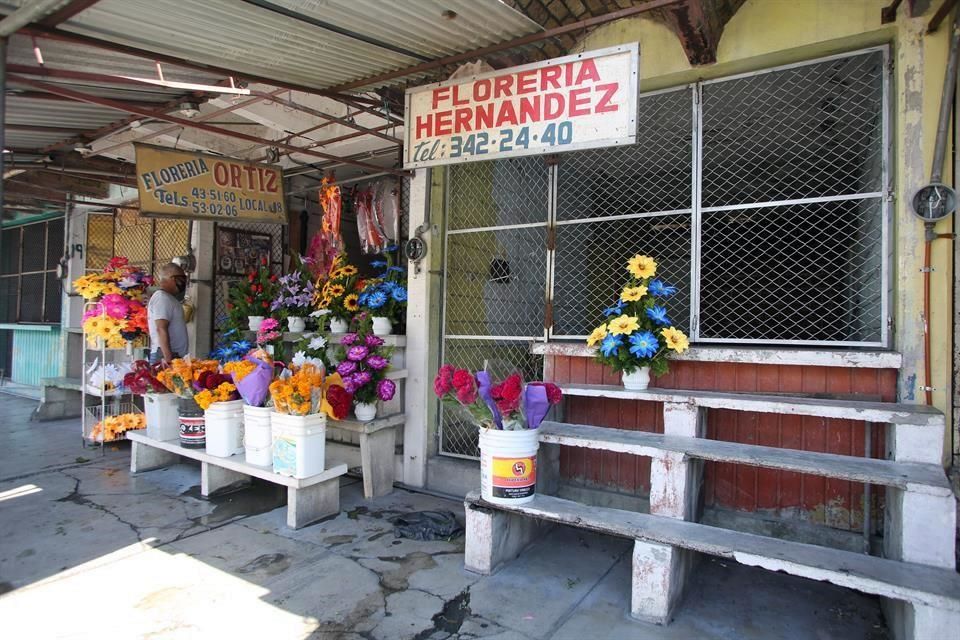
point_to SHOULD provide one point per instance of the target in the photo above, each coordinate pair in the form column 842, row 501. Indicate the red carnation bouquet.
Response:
column 510, row 405
column 143, row 379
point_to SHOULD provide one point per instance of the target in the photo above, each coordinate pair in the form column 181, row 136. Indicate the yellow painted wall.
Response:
column 767, row 33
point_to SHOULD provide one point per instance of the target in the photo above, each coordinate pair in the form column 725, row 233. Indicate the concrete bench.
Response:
column 308, row 499
column 496, row 534
column 59, row 398
column 378, row 441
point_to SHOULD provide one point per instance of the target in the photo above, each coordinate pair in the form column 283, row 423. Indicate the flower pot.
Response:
column 255, row 322
column 508, row 465
column 382, row 326
column 638, row 380
column 338, row 326
column 365, row 412
column 296, row 325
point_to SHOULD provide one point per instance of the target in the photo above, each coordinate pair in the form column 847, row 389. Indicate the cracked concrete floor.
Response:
column 87, row 551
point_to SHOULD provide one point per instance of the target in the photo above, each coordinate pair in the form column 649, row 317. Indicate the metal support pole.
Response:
column 946, row 101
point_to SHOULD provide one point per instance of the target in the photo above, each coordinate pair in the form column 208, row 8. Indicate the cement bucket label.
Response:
column 514, row 477
column 193, row 432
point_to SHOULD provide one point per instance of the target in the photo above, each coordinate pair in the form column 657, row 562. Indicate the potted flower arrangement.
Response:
column 116, row 316
column 294, row 296
column 339, row 294
column 363, row 367
column 385, row 297
column 297, row 422
column 639, row 335
column 250, row 298
column 252, row 375
column 179, row 378
column 508, row 415
column 159, row 405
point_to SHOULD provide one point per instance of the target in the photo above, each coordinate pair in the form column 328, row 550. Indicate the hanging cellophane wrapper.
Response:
column 327, row 242
column 377, row 215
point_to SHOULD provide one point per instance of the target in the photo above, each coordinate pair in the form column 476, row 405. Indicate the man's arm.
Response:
column 163, row 335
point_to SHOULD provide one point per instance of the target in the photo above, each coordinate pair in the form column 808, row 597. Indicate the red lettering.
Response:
column 272, row 181
column 456, row 97
column 484, row 119
column 501, row 86
column 603, row 105
column 588, row 72
column 506, row 114
column 220, row 174
column 425, row 126
column 568, row 74
column 481, row 90
column 579, row 102
column 251, row 172
column 526, row 82
column 439, row 94
column 444, row 123
column 550, row 76
column 461, row 119
column 235, row 176
column 530, row 109
column 553, row 104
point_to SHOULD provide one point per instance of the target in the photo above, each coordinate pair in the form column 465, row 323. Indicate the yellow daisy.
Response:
column 598, row 334
column 642, row 266
column 676, row 339
column 632, row 294
column 623, row 325
column 337, row 290
column 348, row 270
column 350, row 302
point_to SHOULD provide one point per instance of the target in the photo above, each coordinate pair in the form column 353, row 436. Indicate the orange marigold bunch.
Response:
column 300, row 393
column 111, row 427
column 239, row 369
column 224, row 392
column 183, row 372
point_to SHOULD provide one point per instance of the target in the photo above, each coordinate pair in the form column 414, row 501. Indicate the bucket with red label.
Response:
column 193, row 432
column 508, row 465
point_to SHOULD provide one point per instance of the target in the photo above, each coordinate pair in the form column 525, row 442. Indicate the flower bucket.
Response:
column 255, row 322
column 193, row 434
column 338, row 326
column 365, row 412
column 382, row 326
column 296, row 325
column 224, row 427
column 257, row 436
column 160, row 410
column 638, row 380
column 508, row 465
column 299, row 444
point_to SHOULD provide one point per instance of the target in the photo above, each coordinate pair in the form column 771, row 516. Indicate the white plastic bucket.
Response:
column 225, row 428
column 163, row 422
column 508, row 465
column 299, row 444
column 257, row 436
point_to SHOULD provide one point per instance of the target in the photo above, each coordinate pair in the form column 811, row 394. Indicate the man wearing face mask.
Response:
column 168, row 330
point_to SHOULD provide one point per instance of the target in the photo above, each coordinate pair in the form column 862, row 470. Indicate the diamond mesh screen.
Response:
column 499, row 193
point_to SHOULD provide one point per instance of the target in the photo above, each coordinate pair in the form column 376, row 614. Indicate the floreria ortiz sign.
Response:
column 184, row 184
column 575, row 102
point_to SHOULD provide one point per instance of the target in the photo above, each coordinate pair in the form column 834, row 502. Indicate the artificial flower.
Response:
column 507, row 394
column 462, row 378
column 623, row 325
column 632, row 294
column 644, row 344
column 610, row 345
column 318, row 342
column 661, row 290
column 615, row 310
column 347, row 368
column 597, row 335
column 373, row 341
column 386, row 390
column 642, row 266
column 443, row 382
column 348, row 339
column 676, row 339
column 658, row 314
column 350, row 302
column 377, row 362
column 376, row 299
column 357, row 353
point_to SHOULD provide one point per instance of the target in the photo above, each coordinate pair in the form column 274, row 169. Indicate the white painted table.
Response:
column 308, row 499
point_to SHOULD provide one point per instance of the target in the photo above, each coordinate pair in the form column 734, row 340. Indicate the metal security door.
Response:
column 496, row 276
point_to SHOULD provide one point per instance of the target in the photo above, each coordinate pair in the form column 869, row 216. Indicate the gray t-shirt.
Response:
column 163, row 306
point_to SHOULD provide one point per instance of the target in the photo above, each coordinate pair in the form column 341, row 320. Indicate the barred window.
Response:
column 30, row 291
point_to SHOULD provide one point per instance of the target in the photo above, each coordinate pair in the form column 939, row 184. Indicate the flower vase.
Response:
column 296, row 324
column 382, row 326
column 637, row 380
column 255, row 322
column 338, row 325
column 365, row 412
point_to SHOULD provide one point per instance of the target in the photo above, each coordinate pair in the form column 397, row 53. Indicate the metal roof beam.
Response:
column 27, row 13
column 342, row 121
column 111, row 104
column 39, row 95
column 509, row 44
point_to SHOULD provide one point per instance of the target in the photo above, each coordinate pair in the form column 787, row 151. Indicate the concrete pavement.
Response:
column 87, row 551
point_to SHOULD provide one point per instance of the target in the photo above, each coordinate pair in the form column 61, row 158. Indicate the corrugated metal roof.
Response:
column 254, row 40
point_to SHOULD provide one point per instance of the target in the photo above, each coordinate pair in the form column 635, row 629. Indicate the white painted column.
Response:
column 201, row 290
column 418, row 391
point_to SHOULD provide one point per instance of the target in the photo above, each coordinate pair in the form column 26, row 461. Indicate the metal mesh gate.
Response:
column 764, row 198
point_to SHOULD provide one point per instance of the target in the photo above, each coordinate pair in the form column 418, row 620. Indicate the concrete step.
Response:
column 913, row 476
column 885, row 412
column 919, row 584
